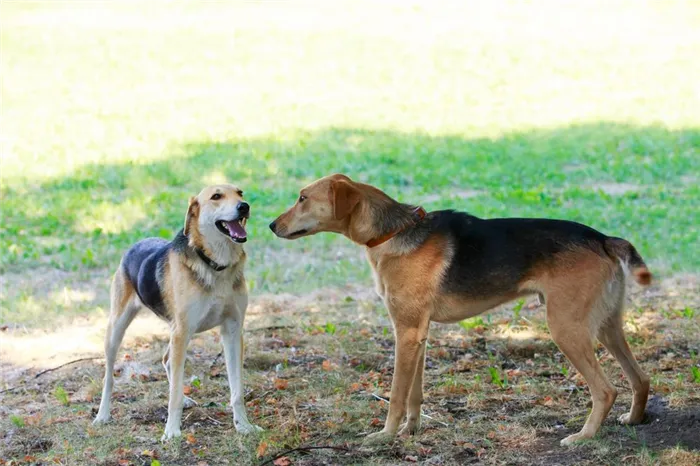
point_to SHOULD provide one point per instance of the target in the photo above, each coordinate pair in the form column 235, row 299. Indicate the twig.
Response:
column 422, row 414
column 7, row 390
column 216, row 359
column 284, row 453
column 63, row 365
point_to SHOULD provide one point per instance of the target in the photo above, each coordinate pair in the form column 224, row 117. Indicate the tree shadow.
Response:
column 626, row 180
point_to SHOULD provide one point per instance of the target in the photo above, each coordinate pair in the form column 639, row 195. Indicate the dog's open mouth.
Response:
column 234, row 229
column 297, row 233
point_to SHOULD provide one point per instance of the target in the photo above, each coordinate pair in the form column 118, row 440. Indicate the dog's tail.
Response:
column 623, row 250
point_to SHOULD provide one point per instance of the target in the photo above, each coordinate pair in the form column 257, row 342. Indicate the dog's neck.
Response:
column 227, row 255
column 376, row 216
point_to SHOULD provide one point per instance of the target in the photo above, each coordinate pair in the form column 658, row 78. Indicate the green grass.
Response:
column 107, row 131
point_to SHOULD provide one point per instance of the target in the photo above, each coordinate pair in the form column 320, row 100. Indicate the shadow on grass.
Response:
column 635, row 182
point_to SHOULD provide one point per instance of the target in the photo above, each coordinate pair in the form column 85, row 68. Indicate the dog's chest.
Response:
column 211, row 309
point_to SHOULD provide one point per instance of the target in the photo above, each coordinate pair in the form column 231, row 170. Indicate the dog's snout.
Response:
column 243, row 207
column 273, row 226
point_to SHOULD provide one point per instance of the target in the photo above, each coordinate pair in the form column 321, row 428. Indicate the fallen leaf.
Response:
column 123, row 462
column 491, row 435
column 149, row 453
column 412, row 459
column 127, row 357
column 283, row 461
column 262, row 448
column 187, row 390
column 281, row 384
column 190, row 439
column 327, row 365
column 375, row 422
column 355, row 387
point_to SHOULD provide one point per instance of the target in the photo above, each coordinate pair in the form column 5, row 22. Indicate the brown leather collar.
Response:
column 418, row 215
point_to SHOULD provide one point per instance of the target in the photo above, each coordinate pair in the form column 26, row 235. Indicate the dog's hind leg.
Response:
column 612, row 336
column 124, row 307
column 572, row 335
column 187, row 402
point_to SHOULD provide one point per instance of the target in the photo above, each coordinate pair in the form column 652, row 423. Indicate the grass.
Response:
column 108, row 131
column 114, row 116
column 493, row 394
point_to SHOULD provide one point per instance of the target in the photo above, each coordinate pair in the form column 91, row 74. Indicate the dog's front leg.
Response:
column 232, row 337
column 409, row 344
column 178, row 347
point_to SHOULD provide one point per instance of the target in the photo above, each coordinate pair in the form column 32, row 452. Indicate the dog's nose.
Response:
column 243, row 207
column 273, row 225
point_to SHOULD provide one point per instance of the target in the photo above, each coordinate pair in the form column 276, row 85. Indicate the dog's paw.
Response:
column 571, row 439
column 379, row 438
column 188, row 403
column 626, row 419
column 247, row 428
column 170, row 434
column 410, row 427
column 100, row 420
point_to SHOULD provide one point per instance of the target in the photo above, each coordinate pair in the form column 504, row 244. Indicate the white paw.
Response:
column 100, row 419
column 170, row 433
column 246, row 428
column 378, row 438
column 626, row 419
column 571, row 439
column 188, row 403
column 409, row 427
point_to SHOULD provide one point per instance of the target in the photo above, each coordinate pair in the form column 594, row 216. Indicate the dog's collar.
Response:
column 418, row 215
column 210, row 262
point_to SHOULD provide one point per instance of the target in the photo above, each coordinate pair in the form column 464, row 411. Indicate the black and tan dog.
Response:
column 446, row 266
column 195, row 283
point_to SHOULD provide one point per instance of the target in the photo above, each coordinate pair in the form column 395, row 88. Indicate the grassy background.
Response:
column 114, row 114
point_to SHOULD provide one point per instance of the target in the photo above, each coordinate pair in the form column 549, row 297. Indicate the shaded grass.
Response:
column 312, row 384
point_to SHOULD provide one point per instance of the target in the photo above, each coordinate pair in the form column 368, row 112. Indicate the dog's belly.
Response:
column 453, row 308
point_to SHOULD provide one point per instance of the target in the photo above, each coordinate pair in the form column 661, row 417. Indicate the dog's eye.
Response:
column 240, row 193
column 216, row 197
column 302, row 198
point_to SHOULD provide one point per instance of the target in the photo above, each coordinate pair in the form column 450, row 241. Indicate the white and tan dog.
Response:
column 195, row 283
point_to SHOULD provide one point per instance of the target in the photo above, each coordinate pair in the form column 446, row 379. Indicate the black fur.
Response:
column 492, row 255
column 143, row 265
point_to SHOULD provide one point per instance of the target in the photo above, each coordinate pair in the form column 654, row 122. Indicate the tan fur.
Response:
column 197, row 298
column 584, row 294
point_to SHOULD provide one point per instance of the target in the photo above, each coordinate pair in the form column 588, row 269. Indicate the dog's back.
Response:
column 491, row 256
column 143, row 266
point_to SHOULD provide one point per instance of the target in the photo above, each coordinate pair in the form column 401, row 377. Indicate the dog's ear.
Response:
column 345, row 198
column 192, row 214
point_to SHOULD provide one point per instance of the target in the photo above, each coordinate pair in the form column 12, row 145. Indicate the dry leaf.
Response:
column 281, row 384
column 326, row 365
column 127, row 357
column 375, row 422
column 412, row 459
column 262, row 448
column 187, row 390
column 283, row 461
column 190, row 439
column 149, row 453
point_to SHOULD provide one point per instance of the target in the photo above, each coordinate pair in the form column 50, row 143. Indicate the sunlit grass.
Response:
column 113, row 116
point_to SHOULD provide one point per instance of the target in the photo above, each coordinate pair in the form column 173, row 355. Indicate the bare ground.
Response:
column 497, row 391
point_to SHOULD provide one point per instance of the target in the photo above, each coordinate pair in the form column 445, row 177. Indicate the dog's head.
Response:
column 324, row 205
column 218, row 213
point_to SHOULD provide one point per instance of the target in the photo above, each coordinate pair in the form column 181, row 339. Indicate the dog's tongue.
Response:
column 235, row 229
